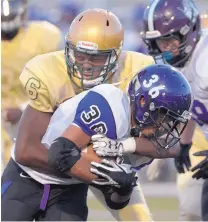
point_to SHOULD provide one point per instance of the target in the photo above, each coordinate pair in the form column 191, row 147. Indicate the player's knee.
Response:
column 63, row 154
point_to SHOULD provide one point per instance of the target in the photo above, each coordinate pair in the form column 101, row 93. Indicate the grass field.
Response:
column 162, row 208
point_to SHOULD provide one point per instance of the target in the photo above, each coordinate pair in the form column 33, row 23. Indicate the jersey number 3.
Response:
column 92, row 116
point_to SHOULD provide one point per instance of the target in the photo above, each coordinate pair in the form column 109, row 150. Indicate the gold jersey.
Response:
column 34, row 39
column 37, row 38
column 47, row 83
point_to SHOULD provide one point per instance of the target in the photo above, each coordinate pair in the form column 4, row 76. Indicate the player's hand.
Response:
column 113, row 174
column 183, row 160
column 11, row 115
column 103, row 146
column 201, row 169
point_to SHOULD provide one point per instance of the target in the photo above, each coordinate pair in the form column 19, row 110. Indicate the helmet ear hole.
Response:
column 107, row 23
column 142, row 101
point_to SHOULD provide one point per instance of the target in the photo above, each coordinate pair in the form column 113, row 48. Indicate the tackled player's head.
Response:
column 13, row 16
column 160, row 99
column 93, row 46
column 171, row 30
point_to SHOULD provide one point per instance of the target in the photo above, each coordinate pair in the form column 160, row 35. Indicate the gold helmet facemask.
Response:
column 92, row 39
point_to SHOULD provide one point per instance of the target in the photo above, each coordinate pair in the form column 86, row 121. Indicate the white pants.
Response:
column 189, row 196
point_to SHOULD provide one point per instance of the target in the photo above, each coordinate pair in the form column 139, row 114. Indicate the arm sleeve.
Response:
column 94, row 115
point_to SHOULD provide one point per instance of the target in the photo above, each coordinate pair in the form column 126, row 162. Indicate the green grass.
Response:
column 163, row 208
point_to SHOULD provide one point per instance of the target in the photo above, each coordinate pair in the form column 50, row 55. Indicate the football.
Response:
column 90, row 154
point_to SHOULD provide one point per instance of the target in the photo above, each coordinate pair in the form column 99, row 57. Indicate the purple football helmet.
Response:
column 178, row 19
column 161, row 98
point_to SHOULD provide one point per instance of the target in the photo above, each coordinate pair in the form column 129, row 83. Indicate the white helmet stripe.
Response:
column 151, row 15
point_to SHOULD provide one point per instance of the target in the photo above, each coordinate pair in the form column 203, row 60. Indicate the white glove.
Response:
column 104, row 146
column 111, row 173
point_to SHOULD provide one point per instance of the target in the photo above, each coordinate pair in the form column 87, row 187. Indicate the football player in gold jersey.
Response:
column 21, row 41
column 93, row 55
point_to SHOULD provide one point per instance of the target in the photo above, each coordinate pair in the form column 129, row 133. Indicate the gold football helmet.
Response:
column 93, row 46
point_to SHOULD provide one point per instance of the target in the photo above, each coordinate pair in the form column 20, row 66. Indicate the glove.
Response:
column 183, row 160
column 115, row 198
column 201, row 169
column 118, row 198
column 113, row 174
column 104, row 146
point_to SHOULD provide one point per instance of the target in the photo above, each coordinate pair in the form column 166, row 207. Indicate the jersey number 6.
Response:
column 31, row 88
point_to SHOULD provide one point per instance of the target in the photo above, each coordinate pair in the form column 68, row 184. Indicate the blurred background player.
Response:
column 21, row 40
column 172, row 32
column 60, row 13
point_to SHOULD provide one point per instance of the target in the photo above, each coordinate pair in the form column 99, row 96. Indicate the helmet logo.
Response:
column 87, row 45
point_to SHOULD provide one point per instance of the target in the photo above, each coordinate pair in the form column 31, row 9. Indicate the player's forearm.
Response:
column 34, row 156
column 187, row 135
column 66, row 157
column 81, row 169
column 28, row 148
column 146, row 148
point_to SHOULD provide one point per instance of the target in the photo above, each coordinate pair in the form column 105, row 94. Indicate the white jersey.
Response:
column 196, row 73
column 102, row 109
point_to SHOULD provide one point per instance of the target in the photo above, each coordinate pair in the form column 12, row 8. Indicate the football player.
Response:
column 93, row 55
column 21, row 40
column 155, row 106
column 173, row 35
